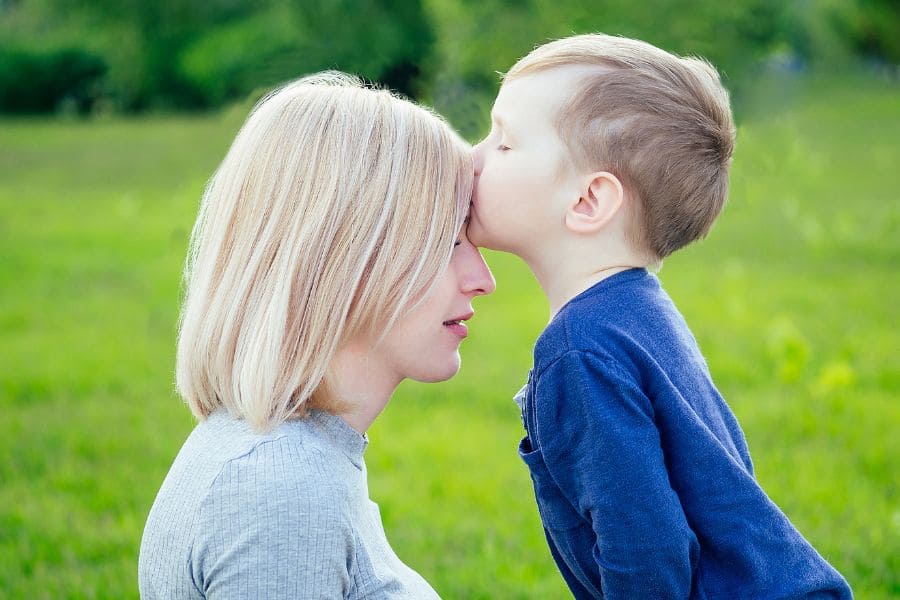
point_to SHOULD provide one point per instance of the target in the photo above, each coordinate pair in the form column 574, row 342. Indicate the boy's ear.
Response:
column 602, row 197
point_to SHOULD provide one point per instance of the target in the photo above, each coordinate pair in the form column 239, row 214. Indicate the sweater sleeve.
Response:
column 272, row 526
column 595, row 428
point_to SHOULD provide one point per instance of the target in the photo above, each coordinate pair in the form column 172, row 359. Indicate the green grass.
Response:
column 792, row 297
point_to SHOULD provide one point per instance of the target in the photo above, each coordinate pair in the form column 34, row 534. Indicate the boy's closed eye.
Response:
column 499, row 132
column 502, row 143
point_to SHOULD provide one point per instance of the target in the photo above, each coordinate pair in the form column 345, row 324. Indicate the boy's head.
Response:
column 606, row 128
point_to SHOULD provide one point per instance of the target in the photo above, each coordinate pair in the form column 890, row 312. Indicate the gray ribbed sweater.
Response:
column 281, row 515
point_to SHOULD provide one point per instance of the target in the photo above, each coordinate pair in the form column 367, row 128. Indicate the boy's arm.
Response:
column 596, row 430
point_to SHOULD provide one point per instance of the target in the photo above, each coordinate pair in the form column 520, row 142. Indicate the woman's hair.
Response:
column 333, row 212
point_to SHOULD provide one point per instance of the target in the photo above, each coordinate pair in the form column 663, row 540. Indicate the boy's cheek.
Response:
column 475, row 231
column 482, row 230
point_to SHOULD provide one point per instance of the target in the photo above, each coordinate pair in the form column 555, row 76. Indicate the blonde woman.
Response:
column 328, row 263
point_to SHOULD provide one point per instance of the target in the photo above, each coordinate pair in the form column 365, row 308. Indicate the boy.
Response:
column 605, row 156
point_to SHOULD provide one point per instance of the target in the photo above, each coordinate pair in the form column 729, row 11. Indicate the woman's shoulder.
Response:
column 232, row 488
column 274, row 505
column 291, row 457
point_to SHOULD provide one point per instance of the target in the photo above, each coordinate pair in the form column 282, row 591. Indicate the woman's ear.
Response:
column 602, row 197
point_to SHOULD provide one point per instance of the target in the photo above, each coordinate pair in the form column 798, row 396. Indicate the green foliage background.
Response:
column 133, row 55
column 792, row 297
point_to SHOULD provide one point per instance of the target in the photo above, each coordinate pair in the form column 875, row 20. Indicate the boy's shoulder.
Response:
column 605, row 318
column 626, row 323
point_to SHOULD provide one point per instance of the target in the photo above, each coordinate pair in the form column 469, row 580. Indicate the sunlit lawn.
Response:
column 793, row 299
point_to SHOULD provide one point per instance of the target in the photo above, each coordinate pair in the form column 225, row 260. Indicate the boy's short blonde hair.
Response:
column 334, row 211
column 660, row 122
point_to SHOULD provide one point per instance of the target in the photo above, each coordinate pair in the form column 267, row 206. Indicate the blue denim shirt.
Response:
column 642, row 475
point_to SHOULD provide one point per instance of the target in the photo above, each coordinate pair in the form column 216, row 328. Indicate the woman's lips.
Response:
column 457, row 328
column 458, row 325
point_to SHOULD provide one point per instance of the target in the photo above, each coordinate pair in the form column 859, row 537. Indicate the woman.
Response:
column 327, row 264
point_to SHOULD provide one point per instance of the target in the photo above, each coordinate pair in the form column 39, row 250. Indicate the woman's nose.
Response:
column 477, row 278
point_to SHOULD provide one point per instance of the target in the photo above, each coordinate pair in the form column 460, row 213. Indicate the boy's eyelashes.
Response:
column 496, row 135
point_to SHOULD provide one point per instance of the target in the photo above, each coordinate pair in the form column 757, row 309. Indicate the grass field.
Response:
column 793, row 298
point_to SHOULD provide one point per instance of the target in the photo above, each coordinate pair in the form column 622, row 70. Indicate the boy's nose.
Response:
column 476, row 156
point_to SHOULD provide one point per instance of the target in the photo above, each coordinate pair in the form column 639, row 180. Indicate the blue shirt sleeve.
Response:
column 595, row 428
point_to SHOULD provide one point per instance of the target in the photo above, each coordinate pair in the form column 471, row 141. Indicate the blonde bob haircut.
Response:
column 334, row 211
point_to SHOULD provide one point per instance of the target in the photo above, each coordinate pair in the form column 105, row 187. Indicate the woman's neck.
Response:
column 361, row 385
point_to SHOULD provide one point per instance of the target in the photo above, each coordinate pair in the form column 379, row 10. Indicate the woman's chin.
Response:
column 438, row 372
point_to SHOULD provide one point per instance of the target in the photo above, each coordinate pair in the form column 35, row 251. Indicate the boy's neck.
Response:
column 564, row 277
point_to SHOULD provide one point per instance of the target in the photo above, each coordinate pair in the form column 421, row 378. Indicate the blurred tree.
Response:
column 135, row 55
column 231, row 60
column 382, row 40
column 187, row 54
column 48, row 80
column 876, row 30
column 136, row 40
